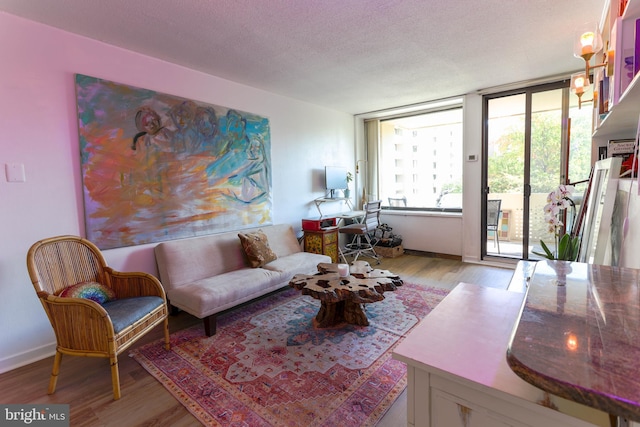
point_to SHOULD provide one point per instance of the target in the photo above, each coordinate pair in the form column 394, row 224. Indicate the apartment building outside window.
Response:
column 421, row 158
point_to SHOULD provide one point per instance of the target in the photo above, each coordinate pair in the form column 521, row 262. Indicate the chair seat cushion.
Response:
column 353, row 229
column 126, row 311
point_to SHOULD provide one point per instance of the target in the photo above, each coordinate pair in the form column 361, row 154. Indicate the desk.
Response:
column 355, row 216
column 320, row 200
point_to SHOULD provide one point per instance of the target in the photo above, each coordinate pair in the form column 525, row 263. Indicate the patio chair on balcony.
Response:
column 398, row 202
column 493, row 220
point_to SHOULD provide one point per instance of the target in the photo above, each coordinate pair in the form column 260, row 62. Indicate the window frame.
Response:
column 456, row 104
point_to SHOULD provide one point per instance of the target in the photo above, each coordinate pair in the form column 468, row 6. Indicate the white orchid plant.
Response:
column 566, row 246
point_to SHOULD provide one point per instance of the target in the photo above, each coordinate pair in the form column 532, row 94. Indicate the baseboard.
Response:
column 30, row 356
column 432, row 254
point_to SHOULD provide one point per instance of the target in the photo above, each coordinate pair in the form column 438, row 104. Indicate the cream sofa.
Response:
column 209, row 274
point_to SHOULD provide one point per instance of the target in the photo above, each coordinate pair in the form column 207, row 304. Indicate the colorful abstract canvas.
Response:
column 157, row 167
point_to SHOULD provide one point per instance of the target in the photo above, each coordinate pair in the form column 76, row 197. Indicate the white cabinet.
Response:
column 450, row 410
column 456, row 404
column 458, row 374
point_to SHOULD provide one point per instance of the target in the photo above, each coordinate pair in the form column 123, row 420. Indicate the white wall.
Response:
column 472, row 179
column 428, row 232
column 39, row 130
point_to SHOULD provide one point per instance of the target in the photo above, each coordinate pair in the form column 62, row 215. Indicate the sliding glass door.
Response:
column 528, row 153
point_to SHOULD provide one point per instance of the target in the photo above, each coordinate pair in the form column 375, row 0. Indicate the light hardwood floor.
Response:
column 85, row 383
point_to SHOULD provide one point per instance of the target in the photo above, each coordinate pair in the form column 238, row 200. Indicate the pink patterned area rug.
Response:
column 268, row 366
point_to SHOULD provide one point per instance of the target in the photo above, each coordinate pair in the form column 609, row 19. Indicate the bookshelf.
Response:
column 621, row 120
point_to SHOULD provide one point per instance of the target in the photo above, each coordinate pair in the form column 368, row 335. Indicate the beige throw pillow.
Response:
column 257, row 248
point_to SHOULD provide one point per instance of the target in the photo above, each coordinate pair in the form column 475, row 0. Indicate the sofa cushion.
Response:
column 282, row 239
column 256, row 247
column 184, row 261
column 212, row 295
column 298, row 263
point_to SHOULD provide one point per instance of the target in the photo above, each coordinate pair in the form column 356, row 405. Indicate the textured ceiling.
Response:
column 354, row 56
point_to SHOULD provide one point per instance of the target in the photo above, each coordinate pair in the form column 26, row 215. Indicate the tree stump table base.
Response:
column 342, row 298
column 338, row 313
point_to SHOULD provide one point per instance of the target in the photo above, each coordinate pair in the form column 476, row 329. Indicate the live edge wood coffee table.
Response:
column 341, row 298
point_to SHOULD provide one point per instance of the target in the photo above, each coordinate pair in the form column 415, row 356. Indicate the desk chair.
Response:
column 493, row 220
column 361, row 244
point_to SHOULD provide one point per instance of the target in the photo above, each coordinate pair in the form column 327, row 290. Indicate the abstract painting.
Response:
column 158, row 167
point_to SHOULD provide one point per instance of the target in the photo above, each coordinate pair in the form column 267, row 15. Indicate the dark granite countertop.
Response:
column 578, row 336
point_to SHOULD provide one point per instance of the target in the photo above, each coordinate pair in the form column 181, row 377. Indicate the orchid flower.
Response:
column 566, row 248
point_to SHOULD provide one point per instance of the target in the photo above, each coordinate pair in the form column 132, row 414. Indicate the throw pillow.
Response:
column 89, row 290
column 257, row 248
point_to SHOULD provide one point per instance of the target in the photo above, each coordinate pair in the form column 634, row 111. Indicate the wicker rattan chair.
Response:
column 84, row 327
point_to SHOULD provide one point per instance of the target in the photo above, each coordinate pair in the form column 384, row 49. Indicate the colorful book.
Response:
column 620, row 147
column 622, row 6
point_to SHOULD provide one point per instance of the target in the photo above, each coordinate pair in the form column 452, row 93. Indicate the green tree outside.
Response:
column 506, row 162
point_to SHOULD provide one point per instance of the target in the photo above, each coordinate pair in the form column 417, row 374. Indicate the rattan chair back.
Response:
column 63, row 261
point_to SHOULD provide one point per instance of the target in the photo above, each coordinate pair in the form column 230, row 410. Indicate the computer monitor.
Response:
column 335, row 178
